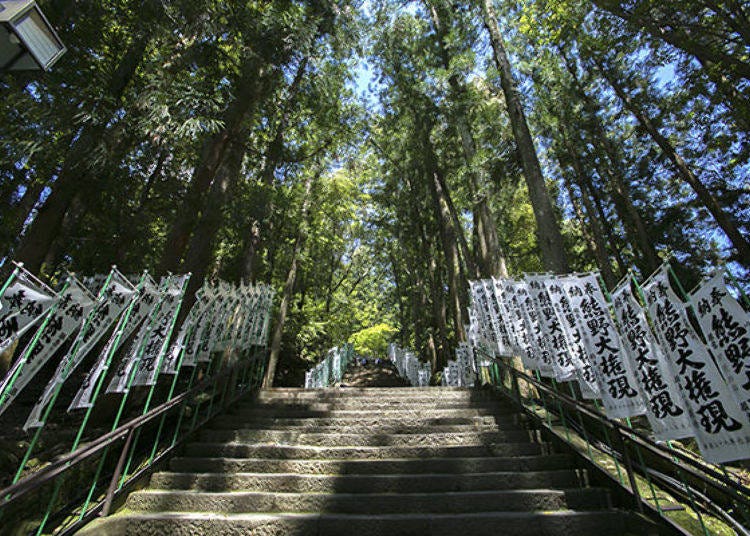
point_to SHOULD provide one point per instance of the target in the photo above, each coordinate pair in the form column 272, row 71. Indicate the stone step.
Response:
column 382, row 483
column 279, row 437
column 406, row 413
column 375, row 392
column 300, row 426
column 368, row 421
column 247, row 450
column 380, row 394
column 563, row 522
column 374, row 405
column 375, row 503
column 385, row 466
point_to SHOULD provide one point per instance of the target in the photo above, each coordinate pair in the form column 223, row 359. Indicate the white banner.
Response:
column 23, row 303
column 516, row 293
column 552, row 331
column 186, row 340
column 494, row 291
column 112, row 301
column 570, row 311
column 727, row 329
column 567, row 294
column 617, row 384
column 666, row 409
column 536, row 331
column 150, row 361
column 722, row 429
column 140, row 309
column 74, row 305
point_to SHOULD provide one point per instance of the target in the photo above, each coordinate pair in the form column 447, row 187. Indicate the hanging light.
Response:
column 27, row 40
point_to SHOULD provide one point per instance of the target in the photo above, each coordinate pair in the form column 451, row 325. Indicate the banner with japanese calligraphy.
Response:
column 480, row 303
column 551, row 334
column 666, row 411
column 722, row 429
column 142, row 305
column 568, row 294
column 66, row 318
column 619, row 390
column 726, row 327
column 22, row 305
column 535, row 331
column 150, row 362
column 113, row 299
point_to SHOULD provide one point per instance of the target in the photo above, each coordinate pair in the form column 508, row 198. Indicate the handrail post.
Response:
column 623, row 442
column 113, row 484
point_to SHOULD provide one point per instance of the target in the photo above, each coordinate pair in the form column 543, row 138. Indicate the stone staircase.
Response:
column 369, row 461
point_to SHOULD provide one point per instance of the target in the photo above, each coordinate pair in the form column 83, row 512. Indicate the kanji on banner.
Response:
column 112, row 301
column 722, row 429
column 156, row 345
column 618, row 387
column 567, row 294
column 536, row 331
column 480, row 302
column 665, row 407
column 727, row 329
column 552, row 334
column 496, row 296
column 517, row 293
column 65, row 319
column 141, row 307
column 22, row 305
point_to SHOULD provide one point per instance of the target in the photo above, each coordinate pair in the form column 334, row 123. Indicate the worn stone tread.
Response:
column 367, row 483
column 255, row 450
column 155, row 500
column 376, row 466
column 552, row 523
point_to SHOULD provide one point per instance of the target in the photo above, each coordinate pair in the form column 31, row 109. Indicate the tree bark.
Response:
column 200, row 251
column 595, row 239
column 635, row 228
column 488, row 256
column 678, row 36
column 550, row 238
column 76, row 175
column 255, row 242
column 457, row 285
column 249, row 89
column 291, row 278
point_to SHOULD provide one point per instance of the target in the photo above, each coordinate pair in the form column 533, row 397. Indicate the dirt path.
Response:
column 372, row 375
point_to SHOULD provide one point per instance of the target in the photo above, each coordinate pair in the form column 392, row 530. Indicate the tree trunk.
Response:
column 550, row 239
column 635, row 228
column 200, row 251
column 595, row 239
column 488, row 256
column 76, row 175
column 684, row 171
column 678, row 36
column 291, row 278
column 255, row 244
column 457, row 284
column 724, row 70
column 249, row 89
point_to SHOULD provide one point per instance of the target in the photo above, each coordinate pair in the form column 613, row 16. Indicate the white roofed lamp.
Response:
column 27, row 40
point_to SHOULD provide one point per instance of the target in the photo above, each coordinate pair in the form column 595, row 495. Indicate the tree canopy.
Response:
column 368, row 159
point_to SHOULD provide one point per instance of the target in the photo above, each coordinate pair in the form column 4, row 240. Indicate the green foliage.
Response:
column 373, row 341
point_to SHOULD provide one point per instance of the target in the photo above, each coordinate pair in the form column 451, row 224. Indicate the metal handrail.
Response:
column 706, row 475
column 49, row 473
